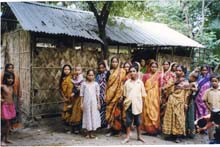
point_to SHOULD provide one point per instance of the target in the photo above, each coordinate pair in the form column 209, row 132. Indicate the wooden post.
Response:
column 32, row 47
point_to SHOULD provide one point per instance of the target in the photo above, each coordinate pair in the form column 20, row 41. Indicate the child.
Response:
column 76, row 116
column 212, row 98
column 7, row 105
column 133, row 92
column 101, row 79
column 90, row 104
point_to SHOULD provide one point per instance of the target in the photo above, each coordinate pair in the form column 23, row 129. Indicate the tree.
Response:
column 102, row 18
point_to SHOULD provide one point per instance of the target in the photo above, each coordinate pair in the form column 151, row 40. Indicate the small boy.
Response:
column 7, row 106
column 134, row 91
column 212, row 98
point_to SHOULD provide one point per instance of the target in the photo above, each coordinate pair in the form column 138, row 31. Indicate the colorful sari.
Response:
column 101, row 79
column 174, row 118
column 168, row 79
column 203, row 85
column 114, row 91
column 66, row 89
column 151, row 109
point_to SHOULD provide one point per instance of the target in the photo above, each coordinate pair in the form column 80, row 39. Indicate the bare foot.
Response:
column 92, row 136
column 126, row 140
column 3, row 143
column 140, row 139
column 8, row 141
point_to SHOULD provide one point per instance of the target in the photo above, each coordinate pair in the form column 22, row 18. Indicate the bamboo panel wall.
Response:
column 17, row 52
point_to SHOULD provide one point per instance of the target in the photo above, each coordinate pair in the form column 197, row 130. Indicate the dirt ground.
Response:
column 52, row 132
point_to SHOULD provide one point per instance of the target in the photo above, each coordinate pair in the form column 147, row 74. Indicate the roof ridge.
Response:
column 56, row 7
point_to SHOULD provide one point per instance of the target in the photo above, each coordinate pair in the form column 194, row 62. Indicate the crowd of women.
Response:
column 171, row 99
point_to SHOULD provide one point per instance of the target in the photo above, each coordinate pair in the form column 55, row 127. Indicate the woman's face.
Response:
column 114, row 63
column 66, row 70
column 204, row 71
column 174, row 67
column 153, row 67
column 179, row 72
column 166, row 66
column 126, row 67
column 143, row 63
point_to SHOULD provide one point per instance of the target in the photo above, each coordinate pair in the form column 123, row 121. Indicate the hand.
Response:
column 120, row 99
column 98, row 106
column 21, row 100
column 186, row 107
column 65, row 99
column 72, row 95
column 81, row 106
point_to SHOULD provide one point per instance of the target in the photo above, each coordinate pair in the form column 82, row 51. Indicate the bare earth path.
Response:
column 51, row 132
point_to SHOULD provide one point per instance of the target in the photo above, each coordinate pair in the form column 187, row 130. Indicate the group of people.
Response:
column 122, row 96
column 166, row 101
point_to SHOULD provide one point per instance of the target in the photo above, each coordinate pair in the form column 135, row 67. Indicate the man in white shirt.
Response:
column 134, row 91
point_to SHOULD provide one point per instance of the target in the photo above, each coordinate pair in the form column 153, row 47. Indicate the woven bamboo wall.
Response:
column 17, row 52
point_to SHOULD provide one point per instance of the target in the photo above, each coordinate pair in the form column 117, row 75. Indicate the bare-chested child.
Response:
column 7, row 106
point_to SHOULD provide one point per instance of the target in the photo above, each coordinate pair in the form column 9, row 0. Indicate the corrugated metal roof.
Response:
column 57, row 20
column 43, row 18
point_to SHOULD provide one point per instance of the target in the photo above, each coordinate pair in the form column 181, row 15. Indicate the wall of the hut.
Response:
column 47, row 62
column 17, row 52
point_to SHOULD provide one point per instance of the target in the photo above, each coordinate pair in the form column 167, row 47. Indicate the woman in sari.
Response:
column 203, row 85
column 151, row 109
column 114, row 99
column 101, row 79
column 168, row 79
column 177, row 104
column 66, row 87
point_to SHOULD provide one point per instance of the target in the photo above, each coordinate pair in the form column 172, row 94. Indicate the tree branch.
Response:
column 106, row 11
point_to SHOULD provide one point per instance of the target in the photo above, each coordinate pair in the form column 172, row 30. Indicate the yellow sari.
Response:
column 114, row 91
column 66, row 89
column 174, row 118
column 151, row 109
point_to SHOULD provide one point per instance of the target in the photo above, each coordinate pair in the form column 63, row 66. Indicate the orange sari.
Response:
column 151, row 109
column 66, row 89
column 114, row 91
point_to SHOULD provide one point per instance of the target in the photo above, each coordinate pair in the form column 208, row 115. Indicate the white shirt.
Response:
column 134, row 91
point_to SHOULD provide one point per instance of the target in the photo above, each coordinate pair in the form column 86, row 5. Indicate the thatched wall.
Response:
column 186, row 61
column 17, row 52
column 46, row 71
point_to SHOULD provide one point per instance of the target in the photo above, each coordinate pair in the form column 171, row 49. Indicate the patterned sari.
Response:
column 113, row 93
column 101, row 80
column 66, row 89
column 174, row 118
column 203, row 85
column 168, row 79
column 151, row 109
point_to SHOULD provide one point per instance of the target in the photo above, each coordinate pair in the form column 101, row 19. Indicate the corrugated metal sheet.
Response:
column 56, row 20
column 42, row 18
